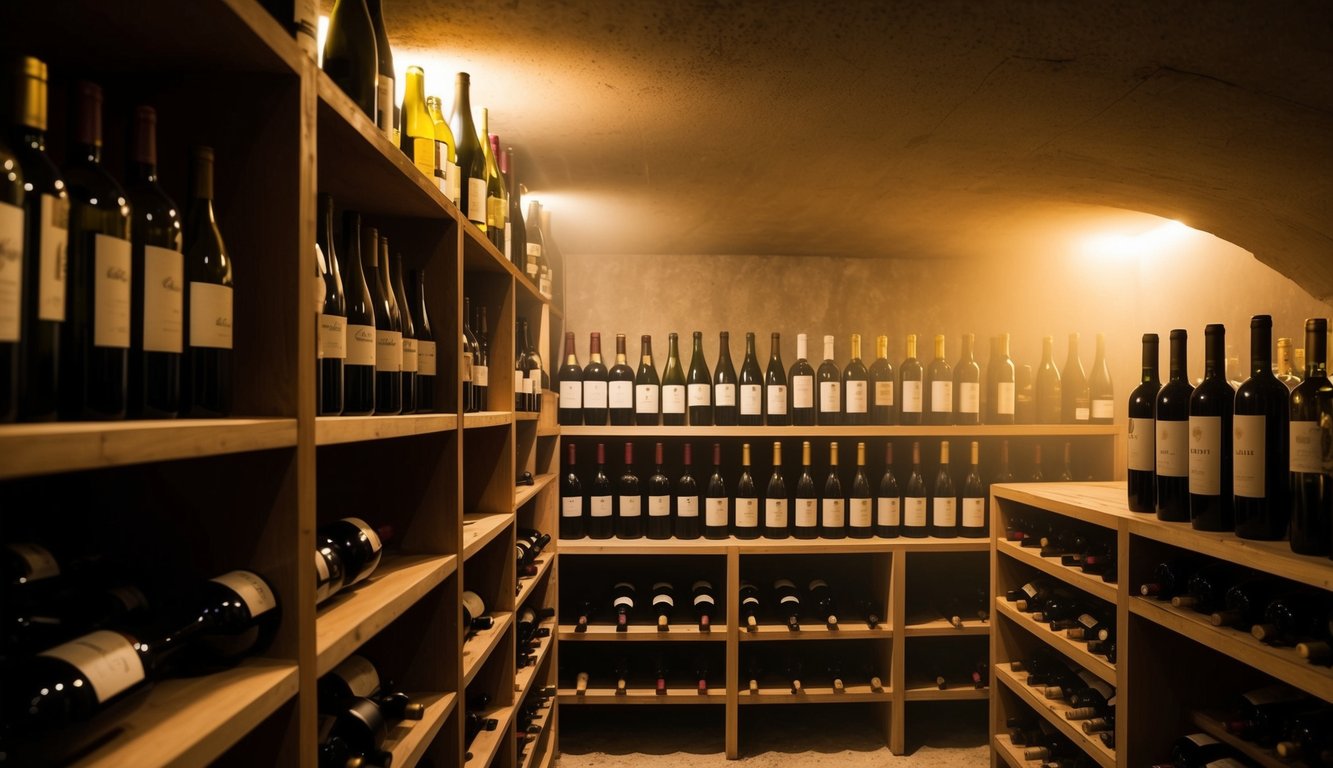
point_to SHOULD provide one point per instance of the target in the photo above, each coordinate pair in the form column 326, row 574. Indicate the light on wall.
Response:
column 321, row 34
column 1120, row 246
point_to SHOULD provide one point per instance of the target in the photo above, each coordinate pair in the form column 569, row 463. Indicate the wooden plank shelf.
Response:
column 480, row 255
column 1054, row 712
column 1051, row 566
column 682, row 632
column 409, row 739
column 330, row 430
column 924, row 432
column 1095, row 664
column 484, row 419
column 486, row 744
column 812, row 630
column 526, row 584
column 526, row 416
column 525, row 493
column 1011, row 755
column 1103, row 504
column 1212, row 723
column 925, row 690
column 541, row 745
column 1280, row 662
column 38, row 449
column 480, row 529
column 524, row 677
column 587, row 546
column 355, row 615
column 924, row 627
column 1274, row 557
column 548, row 431
column 814, row 694
column 477, row 648
column 639, row 694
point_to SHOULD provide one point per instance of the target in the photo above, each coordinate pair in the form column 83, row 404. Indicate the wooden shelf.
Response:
column 1010, row 754
column 487, row 743
column 925, row 432
column 1103, row 504
column 642, row 695
column 1279, row 662
column 1054, row 712
column 541, row 745
column 815, row 694
column 37, row 449
column 526, row 416
column 1274, row 557
column 483, row 419
column 409, row 739
column 920, row 627
column 526, row 584
column 548, row 431
column 355, row 615
column 525, row 493
column 1051, row 566
column 587, row 546
column 925, row 690
column 1097, row 665
column 480, row 255
column 1211, row 723
column 684, row 632
column 479, row 529
column 812, row 630
column 330, row 430
column 524, row 677
column 478, row 647
column 192, row 721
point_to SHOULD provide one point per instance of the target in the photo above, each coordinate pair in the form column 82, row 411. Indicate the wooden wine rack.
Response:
column 208, row 495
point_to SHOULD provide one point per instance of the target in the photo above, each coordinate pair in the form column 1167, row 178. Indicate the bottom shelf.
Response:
column 814, row 694
column 1054, row 712
column 487, row 743
column 924, row 690
column 410, row 738
column 1009, row 754
column 1211, row 723
column 539, row 751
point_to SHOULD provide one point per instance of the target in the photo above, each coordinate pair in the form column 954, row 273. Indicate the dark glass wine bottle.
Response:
column 750, row 388
column 356, row 545
column 1100, row 392
column 531, row 369
column 699, row 385
column 1172, row 410
column 467, row 365
column 359, row 366
column 746, row 522
column 686, row 498
column 351, row 56
column 788, row 601
column 206, row 376
column 1025, row 396
column 620, row 388
column 860, row 505
column 497, row 207
column 1038, row 475
column 938, row 387
column 570, row 412
column 1311, row 502
column 1141, row 444
column 776, row 504
column 471, row 156
column 664, row 603
column 973, row 520
column 1260, row 470
column 481, row 360
column 427, row 357
column 388, row 328
column 832, row 502
column 916, row 520
column 1075, row 397
column 967, row 385
column 12, row 261
column 943, row 500
column 1000, row 384
column 601, row 512
column 704, row 599
column 911, row 381
column 1048, row 393
column 411, row 361
column 595, row 384
column 658, row 524
column 776, row 412
column 888, row 505
column 647, row 387
column 623, row 597
column 156, row 293
column 855, row 387
column 749, row 603
column 801, row 379
column 517, row 234
column 725, row 411
column 805, row 507
column 629, row 500
column 882, row 385
column 331, row 323
column 572, row 503
column 536, row 247
column 1210, row 439
column 828, row 398
column 717, row 511
column 673, row 386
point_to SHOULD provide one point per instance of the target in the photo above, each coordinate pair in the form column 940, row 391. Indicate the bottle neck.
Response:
column 1214, row 356
column 620, row 350
column 749, row 345
column 911, row 347
column 1316, row 351
column 570, row 357
column 724, row 354
column 828, row 347
column 856, row 347
column 698, row 350
column 882, row 348
column 802, row 347
column 1261, row 350
column 1047, row 350
column 1179, row 360
column 775, row 348
column 1149, row 362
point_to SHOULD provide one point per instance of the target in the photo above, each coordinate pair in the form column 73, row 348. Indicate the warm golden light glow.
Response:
column 321, row 34
column 1147, row 243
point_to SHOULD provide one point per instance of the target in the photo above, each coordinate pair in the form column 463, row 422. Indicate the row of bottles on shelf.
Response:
column 1090, row 700
column 932, row 393
column 110, row 304
column 622, row 604
column 357, row 710
column 528, row 632
column 476, row 372
column 1090, row 548
column 1252, row 458
column 531, row 718
column 1278, row 717
column 1081, row 618
column 530, row 376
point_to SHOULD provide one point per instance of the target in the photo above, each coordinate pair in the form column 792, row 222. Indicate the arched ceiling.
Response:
column 913, row 129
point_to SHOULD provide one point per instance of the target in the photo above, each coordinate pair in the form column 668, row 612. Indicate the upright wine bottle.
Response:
column 1310, row 491
column 427, row 360
column 699, row 385
column 495, row 202
column 417, row 134
column 1141, row 444
column 359, row 365
column 832, row 503
column 776, row 520
column 686, row 498
column 647, row 388
column 943, row 499
column 471, row 157
column 658, row 524
column 1210, row 439
column 502, row 240
column 1049, row 395
column 516, row 236
column 1260, row 471
column 12, row 262
column 206, row 376
column 1173, row 484
column 911, row 380
column 527, row 370
column 156, row 327
column 1100, row 392
column 805, row 508
column 620, row 388
column 938, row 387
column 1025, row 396
column 1000, row 380
column 536, row 246
column 916, row 521
column 967, row 385
column 750, row 387
column 481, row 360
column 801, row 379
column 1037, row 476
column 601, row 512
column 888, row 505
column 725, row 411
column 351, row 56
column 570, row 412
column 829, row 396
column 388, row 328
column 973, row 522
column 775, row 386
column 717, row 511
column 446, row 158
column 746, row 525
column 855, row 387
column 95, row 345
column 673, row 386
column 1075, row 397
column 467, row 365
column 629, row 500
column 860, row 506
column 1284, row 363
column 411, row 361
column 331, row 324
column 550, row 254
column 572, row 512
column 882, row 384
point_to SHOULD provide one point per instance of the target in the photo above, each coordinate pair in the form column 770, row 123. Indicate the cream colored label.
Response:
column 887, row 511
column 409, row 356
column 752, row 400
column 332, row 339
column 388, row 351
column 111, row 292
column 1103, row 409
column 859, row 513
column 830, row 396
column 856, row 397
column 700, row 395
column 777, row 399
column 969, row 397
column 571, row 394
column 1004, row 397
column 631, row 506
column 571, row 506
column 807, row 513
column 941, row 396
column 11, row 271
column 645, row 398
column 911, row 397
column 687, row 506
column 107, row 659
column 481, row 375
column 359, row 674
column 1142, row 445
column 163, row 283
column 832, row 513
column 599, row 506
column 594, row 394
column 775, row 513
column 884, row 393
column 620, row 394
column 673, row 398
column 1205, row 459
column 944, row 512
column 1173, row 448
column 724, row 394
column 1306, row 447
column 253, row 591
column 716, row 512
column 659, row 506
column 426, row 361
column 803, row 391
column 747, row 513
column 53, row 260
column 210, row 315
column 914, row 511
column 360, row 345
column 476, row 200
column 974, row 513
column 1248, row 471
column 39, row 561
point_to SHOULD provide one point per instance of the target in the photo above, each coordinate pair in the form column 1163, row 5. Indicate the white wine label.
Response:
column 107, row 659
column 645, row 398
column 534, row 381
column 442, row 168
column 52, row 263
column 332, row 340
column 594, row 394
column 667, row 600
column 724, row 394
column 1142, row 442
column 371, row 535
column 700, row 394
column 455, row 183
column 704, row 600
column 884, row 393
column 1273, row 694
column 911, row 397
column 388, row 351
column 481, row 375
column 1173, row 448
column 1082, row 414
column 914, row 511
column 1205, row 457
column 969, row 397
column 1201, row 739
column 384, row 104
column 599, row 506
column 830, row 396
column 775, row 513
column 859, row 514
column 1004, row 398
column 38, row 561
column 492, row 211
column 659, row 506
column 887, row 511
column 111, row 292
column 716, row 512
column 620, row 394
column 360, row 345
column 747, row 513
column 252, row 590
column 1030, row 590
column 832, row 513
column 777, row 399
column 509, row 243
column 806, row 514
column 323, row 587
column 571, row 394
column 359, row 675
column 687, row 506
column 974, row 513
column 426, row 358
column 631, row 506
column 673, row 398
column 534, row 251
column 752, row 400
column 1248, row 471
column 11, row 271
column 856, row 397
column 1306, row 447
column 803, row 391
column 1103, row 409
column 210, row 315
column 571, row 506
column 409, row 355
column 476, row 200
column 944, row 512
column 544, row 285
column 473, row 604
column 941, row 396
column 623, row 602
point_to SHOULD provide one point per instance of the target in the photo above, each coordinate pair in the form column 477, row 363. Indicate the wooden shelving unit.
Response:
column 330, row 430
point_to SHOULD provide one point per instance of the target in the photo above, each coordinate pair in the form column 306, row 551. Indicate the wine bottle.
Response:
column 881, row 385
column 673, row 386
column 1048, row 393
column 686, row 499
column 974, row 523
column 1169, row 578
column 427, row 360
column 550, row 255
column 351, row 56
column 717, row 512
column 481, row 360
column 967, row 385
column 388, row 328
column 776, row 521
column 829, row 396
column 622, row 604
column 475, row 618
column 664, row 603
column 888, row 505
column 12, row 260
column 446, row 157
column 775, row 386
column 354, row 545
column 529, row 370
column 699, row 385
column 821, row 597
column 594, row 382
column 911, row 381
column 570, row 412
column 805, row 513
column 746, row 524
column 620, row 388
column 943, row 501
column 1025, row 396
column 601, row 520
column 916, row 523
column 471, row 157
column 1172, row 411
column 860, row 506
column 725, row 411
column 832, row 504
column 1142, row 436
column 629, row 500
column 749, row 386
column 1038, row 476
column 1075, row 397
column 1245, row 602
column 536, row 246
column 95, row 343
column 359, row 365
column 1210, row 439
column 495, row 202
column 411, row 356
column 45, row 241
column 417, row 134
column 1310, row 492
column 1285, row 373
column 467, row 366
column 156, row 328
column 749, row 602
column 788, row 601
column 1309, row 735
column 1295, row 618
column 540, row 380
column 1000, row 381
column 503, row 240
column 1067, row 466
column 658, row 524
column 855, row 387
column 358, row 678
column 802, row 382
column 704, row 599
column 572, row 503
column 1207, row 587
column 331, row 324
column 206, row 376
column 938, row 387
column 1100, row 393
column 1263, row 712
column 1260, row 470
column 647, row 388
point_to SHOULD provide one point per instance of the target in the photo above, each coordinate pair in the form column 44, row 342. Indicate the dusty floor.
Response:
column 941, row 735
